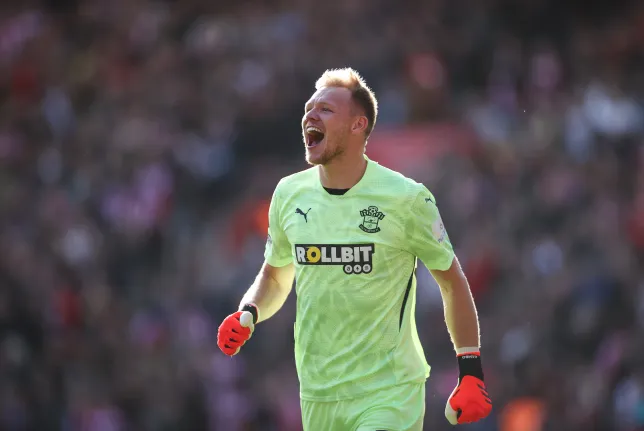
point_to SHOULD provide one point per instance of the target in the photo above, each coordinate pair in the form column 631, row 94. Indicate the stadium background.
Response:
column 140, row 141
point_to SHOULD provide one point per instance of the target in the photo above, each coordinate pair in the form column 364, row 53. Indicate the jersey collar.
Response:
column 353, row 190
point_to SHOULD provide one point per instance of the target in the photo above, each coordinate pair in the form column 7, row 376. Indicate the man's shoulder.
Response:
column 397, row 182
column 298, row 179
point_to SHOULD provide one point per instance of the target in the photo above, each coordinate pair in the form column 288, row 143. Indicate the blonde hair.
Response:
column 361, row 94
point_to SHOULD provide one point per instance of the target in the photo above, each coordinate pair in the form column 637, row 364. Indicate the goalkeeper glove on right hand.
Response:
column 236, row 329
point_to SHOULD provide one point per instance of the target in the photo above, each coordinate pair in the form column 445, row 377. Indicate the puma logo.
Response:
column 303, row 214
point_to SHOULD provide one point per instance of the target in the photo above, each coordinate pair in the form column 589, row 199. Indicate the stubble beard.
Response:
column 327, row 156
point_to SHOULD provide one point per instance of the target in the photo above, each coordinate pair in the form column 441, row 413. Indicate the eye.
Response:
column 326, row 110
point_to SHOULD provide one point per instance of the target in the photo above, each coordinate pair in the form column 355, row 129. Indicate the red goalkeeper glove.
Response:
column 236, row 329
column 469, row 402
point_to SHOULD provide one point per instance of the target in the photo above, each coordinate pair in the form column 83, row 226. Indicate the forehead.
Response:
column 337, row 96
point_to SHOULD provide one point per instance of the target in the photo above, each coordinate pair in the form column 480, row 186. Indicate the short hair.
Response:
column 361, row 94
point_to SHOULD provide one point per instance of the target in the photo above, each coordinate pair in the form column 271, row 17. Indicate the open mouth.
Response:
column 314, row 136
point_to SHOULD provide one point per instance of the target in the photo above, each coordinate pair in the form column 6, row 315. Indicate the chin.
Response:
column 316, row 155
column 319, row 155
column 315, row 160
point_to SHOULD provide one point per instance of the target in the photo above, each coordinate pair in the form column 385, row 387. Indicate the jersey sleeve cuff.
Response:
column 446, row 263
column 276, row 262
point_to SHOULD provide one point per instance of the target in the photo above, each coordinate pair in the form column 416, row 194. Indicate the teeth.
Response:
column 313, row 129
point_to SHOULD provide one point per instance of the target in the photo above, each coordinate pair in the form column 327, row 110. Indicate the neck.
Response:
column 343, row 173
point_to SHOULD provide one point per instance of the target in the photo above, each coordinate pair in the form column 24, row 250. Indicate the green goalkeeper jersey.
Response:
column 355, row 258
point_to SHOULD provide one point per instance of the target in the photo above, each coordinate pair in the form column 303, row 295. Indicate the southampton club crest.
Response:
column 371, row 218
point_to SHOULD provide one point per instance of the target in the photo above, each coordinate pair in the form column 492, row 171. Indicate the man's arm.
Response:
column 274, row 281
column 269, row 290
column 469, row 401
column 460, row 312
column 429, row 241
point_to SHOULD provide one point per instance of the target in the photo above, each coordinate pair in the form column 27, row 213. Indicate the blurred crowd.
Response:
column 140, row 142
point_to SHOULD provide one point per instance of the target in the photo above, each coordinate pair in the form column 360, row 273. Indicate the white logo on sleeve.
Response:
column 438, row 230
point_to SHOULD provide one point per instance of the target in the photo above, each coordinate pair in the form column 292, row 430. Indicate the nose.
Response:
column 311, row 116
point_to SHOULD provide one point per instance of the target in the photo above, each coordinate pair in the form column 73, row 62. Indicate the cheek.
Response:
column 337, row 130
column 333, row 127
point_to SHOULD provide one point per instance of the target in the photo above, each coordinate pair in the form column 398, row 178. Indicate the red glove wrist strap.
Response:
column 469, row 364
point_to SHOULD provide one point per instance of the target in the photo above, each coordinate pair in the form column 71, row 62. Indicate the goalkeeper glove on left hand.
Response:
column 469, row 402
column 236, row 329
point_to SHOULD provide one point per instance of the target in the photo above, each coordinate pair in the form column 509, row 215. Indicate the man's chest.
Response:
column 341, row 220
column 345, row 231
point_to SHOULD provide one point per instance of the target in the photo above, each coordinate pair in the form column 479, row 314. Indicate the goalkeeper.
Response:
column 350, row 232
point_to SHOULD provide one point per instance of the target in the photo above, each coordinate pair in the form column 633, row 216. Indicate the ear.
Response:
column 360, row 124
